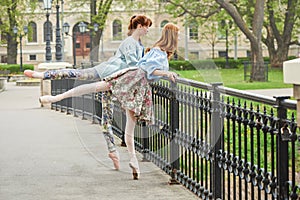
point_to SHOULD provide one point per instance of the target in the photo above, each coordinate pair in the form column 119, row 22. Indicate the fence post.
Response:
column 174, row 125
column 145, row 142
column 93, row 108
column 123, row 124
column 216, row 141
column 53, row 84
column 282, row 150
column 69, row 106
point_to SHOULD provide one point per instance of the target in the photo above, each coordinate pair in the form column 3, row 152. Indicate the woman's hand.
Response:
column 172, row 76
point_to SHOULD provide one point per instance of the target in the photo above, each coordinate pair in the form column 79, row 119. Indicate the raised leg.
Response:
column 107, row 120
column 82, row 74
column 77, row 91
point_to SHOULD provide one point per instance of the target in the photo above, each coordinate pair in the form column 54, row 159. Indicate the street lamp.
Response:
column 82, row 28
column 25, row 30
column 66, row 28
column 58, row 46
column 223, row 25
column 47, row 7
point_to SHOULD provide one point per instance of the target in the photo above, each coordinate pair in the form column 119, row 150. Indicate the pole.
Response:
column 235, row 46
column 48, row 47
column 102, row 47
column 226, row 35
column 82, row 48
column 186, row 54
column 74, row 50
column 91, row 46
column 62, row 34
column 58, row 53
column 21, row 56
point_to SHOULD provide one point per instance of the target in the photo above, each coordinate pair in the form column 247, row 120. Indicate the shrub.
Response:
column 15, row 68
column 202, row 64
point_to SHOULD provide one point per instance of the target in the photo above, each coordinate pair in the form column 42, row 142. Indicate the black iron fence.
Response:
column 218, row 142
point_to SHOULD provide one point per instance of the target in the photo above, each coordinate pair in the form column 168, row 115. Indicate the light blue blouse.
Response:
column 128, row 54
column 153, row 60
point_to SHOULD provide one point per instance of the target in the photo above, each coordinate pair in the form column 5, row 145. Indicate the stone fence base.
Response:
column 3, row 82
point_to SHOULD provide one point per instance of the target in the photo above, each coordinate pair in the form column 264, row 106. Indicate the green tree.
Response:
column 8, row 19
column 281, row 18
column 98, row 14
column 250, row 17
column 11, row 15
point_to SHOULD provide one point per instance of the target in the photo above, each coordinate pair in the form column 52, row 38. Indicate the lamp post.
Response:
column 66, row 28
column 298, row 47
column 47, row 7
column 82, row 28
column 58, row 46
column 223, row 24
column 25, row 30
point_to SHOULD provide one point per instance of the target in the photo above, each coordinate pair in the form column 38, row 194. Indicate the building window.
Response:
column 45, row 31
column 117, row 30
column 194, row 55
column 32, row 57
column 222, row 54
column 77, row 46
column 193, row 31
column 32, row 33
column 248, row 53
column 163, row 23
column 3, row 58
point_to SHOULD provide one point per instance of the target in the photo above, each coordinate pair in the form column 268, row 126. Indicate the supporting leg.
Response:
column 129, row 139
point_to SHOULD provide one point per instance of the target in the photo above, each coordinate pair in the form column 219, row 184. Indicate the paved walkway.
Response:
column 48, row 155
column 274, row 92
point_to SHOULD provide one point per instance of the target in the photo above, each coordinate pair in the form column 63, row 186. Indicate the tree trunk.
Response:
column 278, row 59
column 96, row 45
column 99, row 16
column 257, row 62
column 279, row 55
column 12, row 45
column 12, row 48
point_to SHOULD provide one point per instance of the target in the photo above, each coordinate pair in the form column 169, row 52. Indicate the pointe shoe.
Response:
column 29, row 73
column 47, row 99
column 133, row 164
column 114, row 156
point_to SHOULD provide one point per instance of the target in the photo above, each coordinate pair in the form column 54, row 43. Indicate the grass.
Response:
column 234, row 78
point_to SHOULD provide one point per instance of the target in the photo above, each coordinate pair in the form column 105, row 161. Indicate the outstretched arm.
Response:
column 171, row 75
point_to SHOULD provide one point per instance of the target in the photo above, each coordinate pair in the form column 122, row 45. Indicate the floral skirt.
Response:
column 131, row 88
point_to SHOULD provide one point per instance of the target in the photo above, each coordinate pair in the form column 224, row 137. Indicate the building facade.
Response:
column 77, row 47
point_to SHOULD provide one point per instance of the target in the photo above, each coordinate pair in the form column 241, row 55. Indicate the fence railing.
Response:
column 218, row 142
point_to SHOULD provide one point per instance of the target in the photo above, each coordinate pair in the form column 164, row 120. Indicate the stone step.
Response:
column 28, row 82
